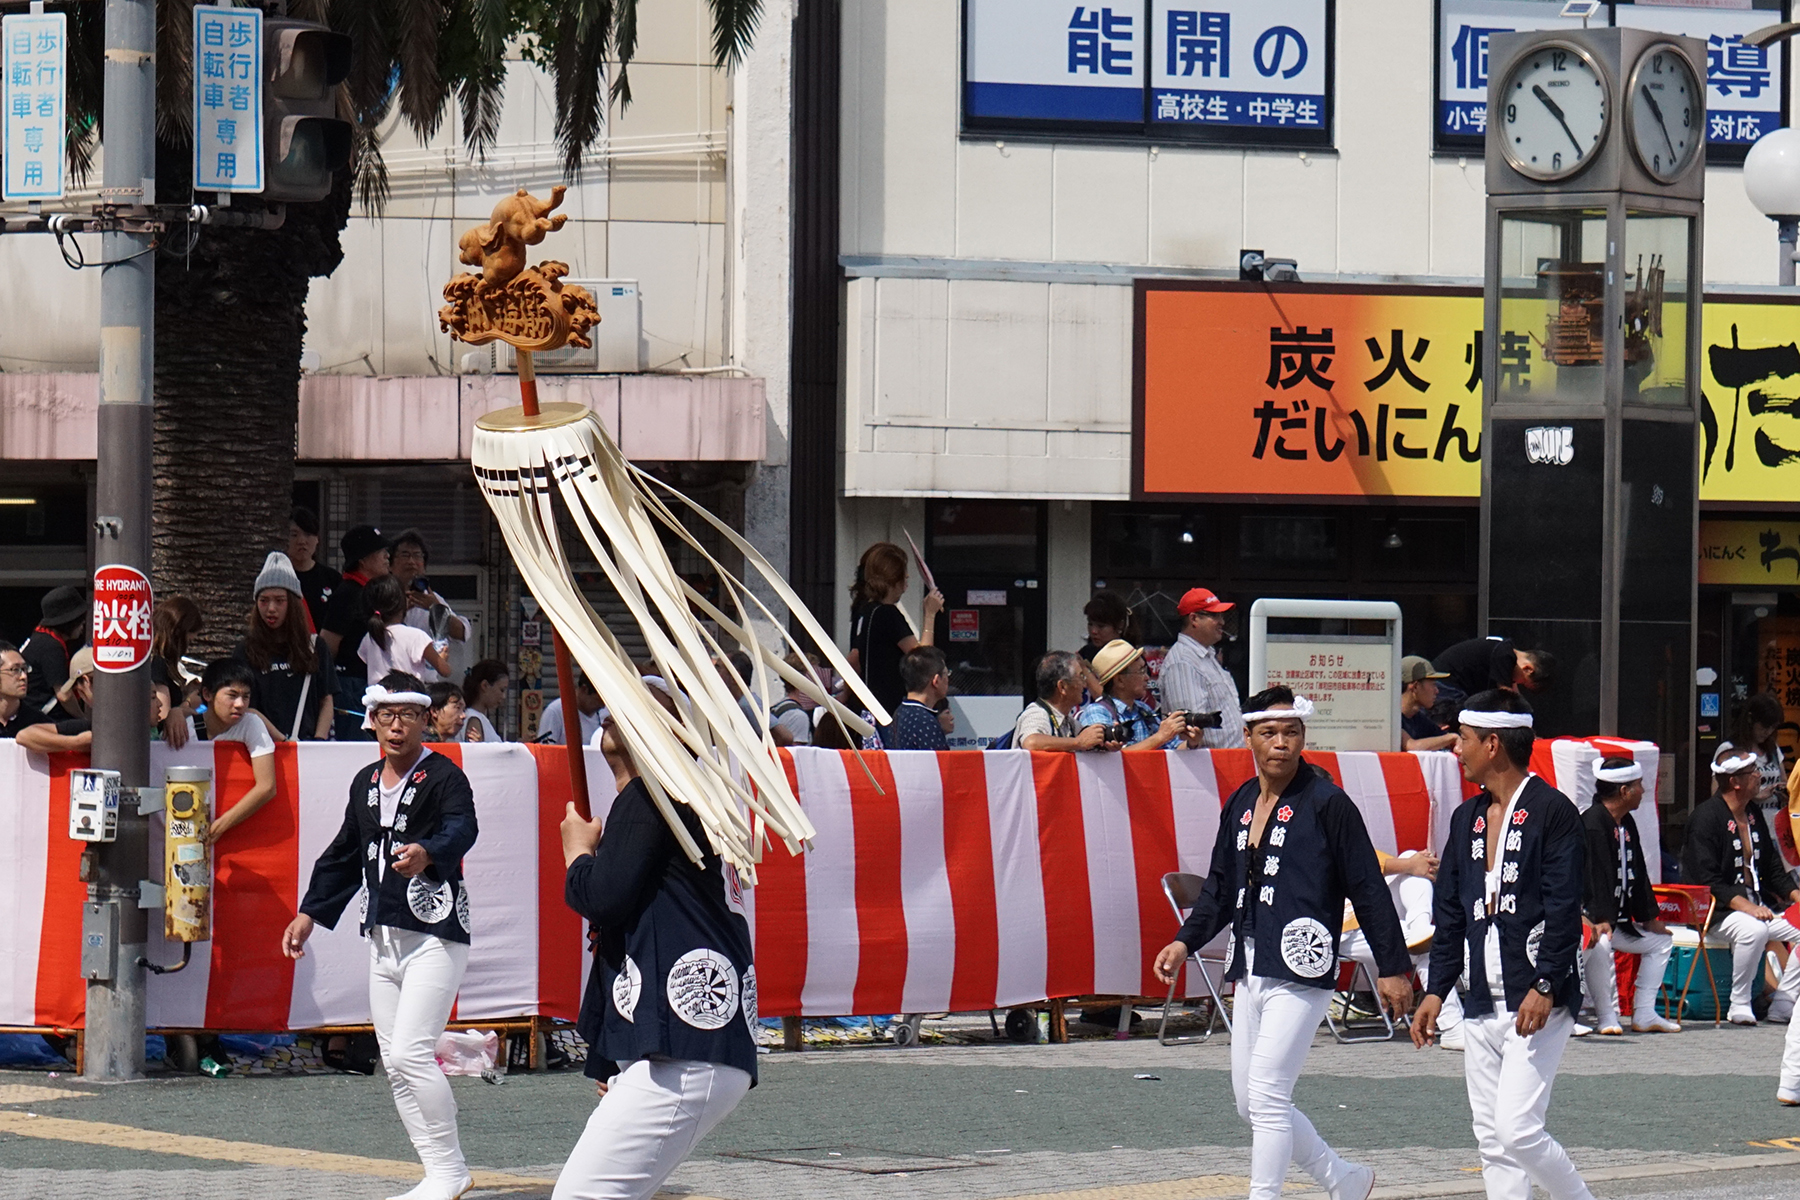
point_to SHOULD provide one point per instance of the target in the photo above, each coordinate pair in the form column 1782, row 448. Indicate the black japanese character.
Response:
column 1362, row 434
column 1300, row 355
column 1449, row 430
column 1472, row 356
column 1772, row 549
column 1268, row 413
column 1396, row 360
column 1515, row 362
column 1400, row 446
column 1325, row 455
column 1737, row 367
column 1297, row 421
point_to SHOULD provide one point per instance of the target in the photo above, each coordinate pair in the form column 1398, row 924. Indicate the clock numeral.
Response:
column 1556, row 161
column 1687, row 118
column 1559, row 60
column 1512, row 113
column 1656, row 65
column 1656, row 164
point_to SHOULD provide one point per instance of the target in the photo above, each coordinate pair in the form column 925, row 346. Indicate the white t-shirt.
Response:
column 488, row 732
column 551, row 723
column 252, row 732
column 405, row 652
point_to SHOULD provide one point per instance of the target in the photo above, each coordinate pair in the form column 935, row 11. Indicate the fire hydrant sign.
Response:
column 121, row 618
column 228, row 112
column 36, row 97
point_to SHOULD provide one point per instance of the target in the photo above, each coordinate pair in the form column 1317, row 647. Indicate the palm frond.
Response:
column 423, row 92
column 175, row 71
column 369, row 169
column 482, row 93
column 310, row 10
column 625, row 38
column 369, row 26
column 583, row 36
column 734, row 28
column 86, row 66
column 492, row 21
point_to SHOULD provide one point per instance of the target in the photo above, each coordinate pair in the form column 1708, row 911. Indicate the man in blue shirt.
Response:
column 926, row 674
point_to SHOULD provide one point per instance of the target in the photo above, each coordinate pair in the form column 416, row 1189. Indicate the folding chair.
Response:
column 1347, row 973
column 1183, row 891
column 1692, row 906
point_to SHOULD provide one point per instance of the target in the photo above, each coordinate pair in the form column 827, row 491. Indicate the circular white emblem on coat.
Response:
column 1230, row 948
column 1306, row 947
column 430, row 902
column 703, row 989
column 1533, row 941
column 462, row 906
column 628, row 985
column 749, row 999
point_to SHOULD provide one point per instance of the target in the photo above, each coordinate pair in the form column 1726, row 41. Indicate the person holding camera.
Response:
column 1194, row 680
column 1128, row 720
column 1049, row 722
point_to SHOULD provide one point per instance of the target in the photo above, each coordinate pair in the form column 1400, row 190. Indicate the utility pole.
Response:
column 115, row 990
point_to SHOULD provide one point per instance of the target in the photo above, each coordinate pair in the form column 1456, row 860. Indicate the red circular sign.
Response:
column 122, row 605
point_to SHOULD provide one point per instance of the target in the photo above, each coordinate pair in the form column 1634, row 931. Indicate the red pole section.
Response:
column 528, row 387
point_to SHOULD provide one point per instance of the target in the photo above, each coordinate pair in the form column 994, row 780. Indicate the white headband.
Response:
column 1734, row 764
column 1629, row 773
column 1303, row 708
column 1493, row 720
column 376, row 696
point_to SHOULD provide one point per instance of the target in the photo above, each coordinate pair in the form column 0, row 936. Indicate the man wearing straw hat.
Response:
column 1619, row 901
column 409, row 822
column 1291, row 848
column 1119, row 666
column 1508, row 919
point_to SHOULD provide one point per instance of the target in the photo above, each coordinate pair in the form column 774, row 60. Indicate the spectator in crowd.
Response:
column 1124, row 679
column 946, row 717
column 1108, row 617
column 391, row 644
column 173, row 623
column 32, row 728
column 1193, row 679
column 295, row 675
column 449, row 714
column 1730, row 850
column 226, row 686
column 790, row 718
column 1048, row 723
column 347, row 622
column 61, row 628
column 318, row 582
column 425, row 609
column 587, row 704
column 484, row 690
column 1478, row 664
column 1619, row 903
column 927, row 676
column 1418, row 683
column 1757, row 719
column 880, row 634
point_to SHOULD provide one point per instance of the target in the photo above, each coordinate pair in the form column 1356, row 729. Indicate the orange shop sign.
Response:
column 1253, row 390
column 1750, row 553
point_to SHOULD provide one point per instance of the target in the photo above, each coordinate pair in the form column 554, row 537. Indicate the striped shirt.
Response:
column 1192, row 679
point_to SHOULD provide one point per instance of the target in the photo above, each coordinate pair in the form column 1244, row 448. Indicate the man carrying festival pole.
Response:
column 410, row 820
column 1509, row 918
column 1291, row 848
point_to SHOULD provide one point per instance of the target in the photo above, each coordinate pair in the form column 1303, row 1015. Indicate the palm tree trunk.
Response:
column 230, row 318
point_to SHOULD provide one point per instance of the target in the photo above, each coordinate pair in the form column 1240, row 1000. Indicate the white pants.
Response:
column 1652, row 948
column 651, row 1117
column 1790, row 1065
column 1413, row 898
column 1272, row 1026
column 1509, row 1079
column 1749, row 938
column 413, row 979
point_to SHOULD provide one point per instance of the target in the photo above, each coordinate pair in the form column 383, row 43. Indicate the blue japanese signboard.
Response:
column 1244, row 71
column 1746, row 87
column 36, row 99
column 228, row 107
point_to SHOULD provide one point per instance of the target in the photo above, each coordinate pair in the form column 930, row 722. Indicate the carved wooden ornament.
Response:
column 528, row 307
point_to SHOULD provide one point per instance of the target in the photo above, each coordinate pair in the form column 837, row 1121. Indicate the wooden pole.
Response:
column 574, row 744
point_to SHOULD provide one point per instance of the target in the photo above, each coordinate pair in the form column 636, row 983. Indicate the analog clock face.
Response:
column 1667, row 118
column 1553, row 112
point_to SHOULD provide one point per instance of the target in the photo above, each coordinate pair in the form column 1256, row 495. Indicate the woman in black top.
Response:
column 880, row 634
column 294, row 672
column 671, row 1000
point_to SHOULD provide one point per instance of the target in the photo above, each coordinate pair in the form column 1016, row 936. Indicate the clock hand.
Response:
column 1656, row 111
column 1537, row 89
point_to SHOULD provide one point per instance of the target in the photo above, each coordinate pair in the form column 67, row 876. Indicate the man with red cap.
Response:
column 1193, row 680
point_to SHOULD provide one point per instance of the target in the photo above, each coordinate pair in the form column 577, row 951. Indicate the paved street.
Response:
column 1691, row 1116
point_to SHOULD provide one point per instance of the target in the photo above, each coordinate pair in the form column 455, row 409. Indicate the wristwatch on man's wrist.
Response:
column 1542, row 987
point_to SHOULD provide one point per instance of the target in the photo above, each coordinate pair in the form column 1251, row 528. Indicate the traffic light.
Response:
column 304, row 140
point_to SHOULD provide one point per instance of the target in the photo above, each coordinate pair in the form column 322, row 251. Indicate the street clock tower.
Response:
column 1596, row 175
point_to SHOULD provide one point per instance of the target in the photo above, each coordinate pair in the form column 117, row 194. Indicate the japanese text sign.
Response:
column 1227, row 70
column 1314, row 390
column 36, row 98
column 1750, row 553
column 1350, row 682
column 121, row 626
column 228, row 102
column 1256, row 63
column 1464, row 27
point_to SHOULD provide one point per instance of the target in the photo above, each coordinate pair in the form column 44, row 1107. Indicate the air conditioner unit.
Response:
column 618, row 339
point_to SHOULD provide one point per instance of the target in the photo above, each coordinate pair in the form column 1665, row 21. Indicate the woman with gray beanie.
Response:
column 294, row 671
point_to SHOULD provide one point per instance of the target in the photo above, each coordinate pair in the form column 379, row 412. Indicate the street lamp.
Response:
column 1772, row 181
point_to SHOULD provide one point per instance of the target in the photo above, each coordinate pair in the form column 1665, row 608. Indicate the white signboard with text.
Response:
column 1344, row 656
column 36, row 95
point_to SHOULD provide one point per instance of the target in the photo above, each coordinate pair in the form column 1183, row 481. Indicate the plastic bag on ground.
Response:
column 467, row 1052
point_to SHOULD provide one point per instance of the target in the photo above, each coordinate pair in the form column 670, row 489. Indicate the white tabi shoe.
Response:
column 1741, row 1016
column 1358, row 1182
column 1582, row 1030
column 438, row 1189
column 1780, row 1012
column 1611, row 1031
column 1654, row 1023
